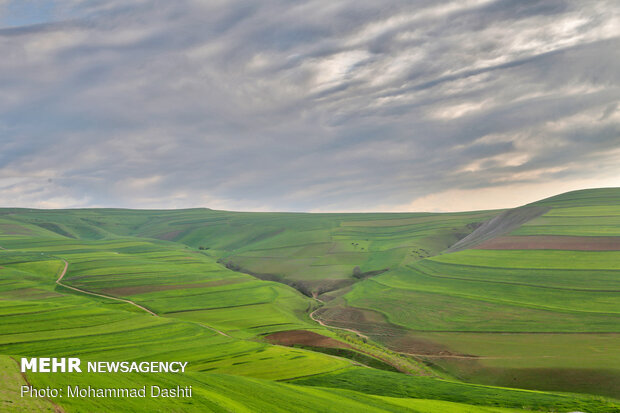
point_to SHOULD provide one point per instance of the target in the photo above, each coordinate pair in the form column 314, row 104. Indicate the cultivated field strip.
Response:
column 543, row 317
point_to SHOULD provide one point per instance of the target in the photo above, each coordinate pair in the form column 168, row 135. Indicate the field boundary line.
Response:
column 60, row 283
column 449, row 277
column 494, row 267
column 518, row 304
column 64, row 271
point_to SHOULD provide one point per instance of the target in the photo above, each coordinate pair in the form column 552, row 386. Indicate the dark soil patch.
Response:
column 322, row 344
column 552, row 242
column 304, row 338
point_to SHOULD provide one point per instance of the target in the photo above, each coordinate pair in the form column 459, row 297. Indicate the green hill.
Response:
column 526, row 301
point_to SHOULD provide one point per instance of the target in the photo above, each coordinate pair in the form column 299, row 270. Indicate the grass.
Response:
column 536, row 319
column 10, row 396
column 49, row 321
column 580, row 214
column 224, row 393
column 473, row 294
column 352, row 355
column 532, row 259
column 559, row 362
column 389, row 384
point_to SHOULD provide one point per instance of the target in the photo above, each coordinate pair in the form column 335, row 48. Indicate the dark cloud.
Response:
column 300, row 106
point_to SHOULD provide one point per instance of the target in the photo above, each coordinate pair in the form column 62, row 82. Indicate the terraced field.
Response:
column 535, row 307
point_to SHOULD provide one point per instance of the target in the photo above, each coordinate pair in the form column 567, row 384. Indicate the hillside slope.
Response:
column 536, row 306
column 530, row 300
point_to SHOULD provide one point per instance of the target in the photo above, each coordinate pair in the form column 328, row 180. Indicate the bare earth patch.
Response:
column 304, row 338
column 552, row 242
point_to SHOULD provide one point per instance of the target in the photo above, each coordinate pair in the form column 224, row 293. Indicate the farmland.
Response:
column 533, row 318
column 210, row 287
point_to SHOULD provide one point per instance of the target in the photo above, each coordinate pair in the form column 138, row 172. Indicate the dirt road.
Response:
column 64, row 271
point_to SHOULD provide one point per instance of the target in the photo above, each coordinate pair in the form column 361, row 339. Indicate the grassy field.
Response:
column 218, row 282
column 467, row 303
column 397, row 385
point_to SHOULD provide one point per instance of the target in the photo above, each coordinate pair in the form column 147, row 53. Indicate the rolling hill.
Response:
column 481, row 311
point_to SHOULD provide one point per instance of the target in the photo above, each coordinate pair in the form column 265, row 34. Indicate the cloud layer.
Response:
column 328, row 106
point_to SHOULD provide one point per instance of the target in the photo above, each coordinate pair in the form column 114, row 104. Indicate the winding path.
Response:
column 64, row 271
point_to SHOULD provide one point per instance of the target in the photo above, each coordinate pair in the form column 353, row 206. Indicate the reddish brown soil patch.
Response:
column 304, row 338
column 552, row 242
column 143, row 289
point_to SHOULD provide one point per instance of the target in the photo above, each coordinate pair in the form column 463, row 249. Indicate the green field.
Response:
column 492, row 330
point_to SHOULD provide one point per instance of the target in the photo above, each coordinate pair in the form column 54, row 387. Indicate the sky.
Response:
column 313, row 106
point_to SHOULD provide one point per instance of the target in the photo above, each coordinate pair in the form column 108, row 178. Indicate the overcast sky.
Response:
column 307, row 106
